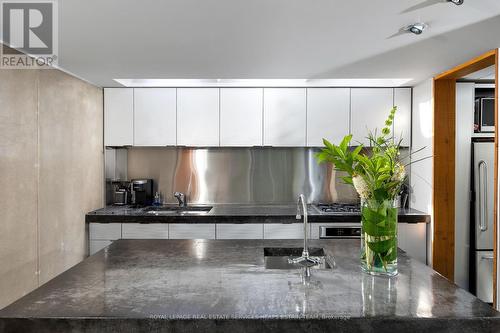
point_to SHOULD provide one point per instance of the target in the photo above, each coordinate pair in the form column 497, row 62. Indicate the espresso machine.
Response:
column 142, row 192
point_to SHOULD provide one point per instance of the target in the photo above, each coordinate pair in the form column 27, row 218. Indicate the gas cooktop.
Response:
column 336, row 208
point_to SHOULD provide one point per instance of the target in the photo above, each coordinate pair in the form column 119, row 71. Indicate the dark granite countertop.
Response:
column 237, row 213
column 223, row 286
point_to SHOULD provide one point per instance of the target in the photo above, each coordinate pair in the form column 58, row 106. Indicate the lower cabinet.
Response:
column 240, row 231
column 192, row 231
column 284, row 231
column 103, row 234
column 412, row 238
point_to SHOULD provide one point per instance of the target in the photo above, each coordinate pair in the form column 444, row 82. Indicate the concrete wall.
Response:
column 421, row 172
column 51, row 174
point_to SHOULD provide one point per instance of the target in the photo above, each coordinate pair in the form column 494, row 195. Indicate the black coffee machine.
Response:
column 142, row 192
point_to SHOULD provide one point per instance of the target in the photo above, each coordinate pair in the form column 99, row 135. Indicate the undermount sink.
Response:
column 277, row 257
column 170, row 210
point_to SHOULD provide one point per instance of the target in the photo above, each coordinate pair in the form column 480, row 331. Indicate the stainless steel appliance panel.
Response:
column 484, row 275
column 484, row 154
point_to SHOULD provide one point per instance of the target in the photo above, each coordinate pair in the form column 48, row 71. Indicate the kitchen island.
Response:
column 224, row 286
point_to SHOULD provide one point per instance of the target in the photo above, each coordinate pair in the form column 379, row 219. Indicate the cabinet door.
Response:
column 145, row 231
column 369, row 110
column 198, row 117
column 285, row 117
column 241, row 117
column 327, row 115
column 402, row 119
column 192, row 231
column 105, row 231
column 118, row 116
column 412, row 238
column 284, row 231
column 98, row 245
column 154, row 116
column 240, row 231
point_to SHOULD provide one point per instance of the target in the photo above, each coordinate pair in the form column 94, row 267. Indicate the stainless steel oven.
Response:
column 340, row 232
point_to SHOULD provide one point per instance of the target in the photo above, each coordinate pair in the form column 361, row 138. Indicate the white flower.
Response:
column 399, row 173
column 361, row 186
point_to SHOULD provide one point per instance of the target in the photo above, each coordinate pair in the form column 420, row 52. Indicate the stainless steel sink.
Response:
column 171, row 210
column 278, row 257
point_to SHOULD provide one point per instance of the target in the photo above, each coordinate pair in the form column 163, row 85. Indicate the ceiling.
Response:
column 102, row 40
column 483, row 74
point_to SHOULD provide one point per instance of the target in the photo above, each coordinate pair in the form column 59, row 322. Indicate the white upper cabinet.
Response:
column 241, row 117
column 285, row 117
column 118, row 116
column 402, row 119
column 327, row 115
column 198, row 116
column 154, row 116
column 370, row 108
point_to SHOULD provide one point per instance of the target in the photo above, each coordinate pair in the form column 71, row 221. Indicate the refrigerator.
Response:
column 483, row 159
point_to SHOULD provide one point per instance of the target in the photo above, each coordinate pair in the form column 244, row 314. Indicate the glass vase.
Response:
column 379, row 237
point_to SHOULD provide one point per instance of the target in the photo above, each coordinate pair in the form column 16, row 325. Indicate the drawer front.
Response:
column 192, row 231
column 284, row 231
column 105, row 231
column 145, row 231
column 97, row 245
column 240, row 231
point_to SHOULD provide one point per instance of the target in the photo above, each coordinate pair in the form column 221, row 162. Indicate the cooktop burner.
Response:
column 339, row 208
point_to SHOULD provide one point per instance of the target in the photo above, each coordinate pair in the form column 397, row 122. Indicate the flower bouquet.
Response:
column 377, row 173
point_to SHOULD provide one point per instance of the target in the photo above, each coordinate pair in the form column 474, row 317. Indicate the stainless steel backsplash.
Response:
column 238, row 175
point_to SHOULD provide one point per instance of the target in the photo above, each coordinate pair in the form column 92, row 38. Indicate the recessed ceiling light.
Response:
column 416, row 28
column 456, row 2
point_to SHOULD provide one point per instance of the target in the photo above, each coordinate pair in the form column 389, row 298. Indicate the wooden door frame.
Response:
column 443, row 244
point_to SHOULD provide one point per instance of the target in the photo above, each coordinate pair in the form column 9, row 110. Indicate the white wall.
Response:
column 421, row 172
column 463, row 134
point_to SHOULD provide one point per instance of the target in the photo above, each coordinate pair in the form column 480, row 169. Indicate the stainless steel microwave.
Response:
column 487, row 114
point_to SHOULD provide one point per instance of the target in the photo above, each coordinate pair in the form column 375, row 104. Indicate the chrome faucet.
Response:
column 181, row 197
column 305, row 260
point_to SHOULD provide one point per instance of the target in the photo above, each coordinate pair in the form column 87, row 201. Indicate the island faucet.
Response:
column 181, row 197
column 305, row 259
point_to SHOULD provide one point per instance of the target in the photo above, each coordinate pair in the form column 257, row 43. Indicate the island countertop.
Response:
column 223, row 286
column 238, row 213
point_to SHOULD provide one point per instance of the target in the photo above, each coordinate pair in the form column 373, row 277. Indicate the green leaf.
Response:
column 382, row 246
column 381, row 194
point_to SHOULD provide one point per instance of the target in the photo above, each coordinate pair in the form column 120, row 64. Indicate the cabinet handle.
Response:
column 483, row 196
column 490, row 257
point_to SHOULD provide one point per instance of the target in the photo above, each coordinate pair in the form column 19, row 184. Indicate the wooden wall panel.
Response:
column 444, row 177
